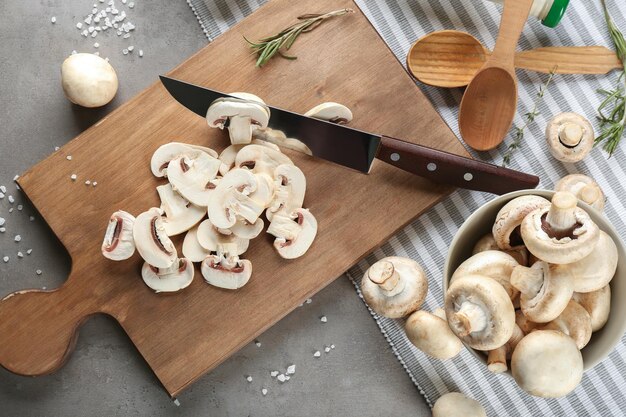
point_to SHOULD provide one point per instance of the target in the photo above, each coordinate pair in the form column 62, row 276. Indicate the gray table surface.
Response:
column 106, row 376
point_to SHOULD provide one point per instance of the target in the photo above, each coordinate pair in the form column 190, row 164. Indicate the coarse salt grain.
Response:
column 17, row 238
column 20, row 207
column 31, row 218
column 53, row 19
column 332, row 346
column 11, row 199
column 5, row 259
column 125, row 51
column 176, row 402
column 323, row 319
column 3, row 229
column 87, row 182
column 249, row 378
column 131, row 5
column 79, row 25
column 94, row 34
column 69, row 157
column 73, row 177
column 291, row 369
column 287, row 378
column 28, row 252
column 327, row 349
column 281, row 378
column 257, row 343
column 96, row 45
column 91, row 29
column 1, row 196
column 11, row 210
column 20, row 255
column 317, row 354
column 273, row 374
column 126, row 36
column 39, row 272
column 3, row 189
column 309, row 300
column 2, row 221
column 140, row 52
column 131, row 48
column 264, row 391
column 94, row 183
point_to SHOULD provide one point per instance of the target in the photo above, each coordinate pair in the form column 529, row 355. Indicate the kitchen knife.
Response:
column 356, row 149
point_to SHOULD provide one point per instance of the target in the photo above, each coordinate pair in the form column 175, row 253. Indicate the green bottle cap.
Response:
column 556, row 13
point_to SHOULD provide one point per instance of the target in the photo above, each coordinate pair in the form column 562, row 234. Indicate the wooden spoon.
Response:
column 490, row 100
column 451, row 58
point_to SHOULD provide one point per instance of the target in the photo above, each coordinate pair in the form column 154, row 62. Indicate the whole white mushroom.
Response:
column 88, row 80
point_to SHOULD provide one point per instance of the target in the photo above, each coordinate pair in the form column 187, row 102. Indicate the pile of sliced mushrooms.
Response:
column 218, row 200
column 530, row 296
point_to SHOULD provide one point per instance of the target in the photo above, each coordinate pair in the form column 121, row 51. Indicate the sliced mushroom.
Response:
column 228, row 155
column 192, row 249
column 152, row 242
column 506, row 229
column 570, row 137
column 497, row 358
column 430, row 334
column 480, row 312
column 240, row 116
column 261, row 159
column 597, row 304
column 278, row 137
column 584, row 188
column 331, row 112
column 246, row 230
column 180, row 214
column 290, row 186
column 493, row 264
column 227, row 272
column 561, row 233
column 547, row 363
column 213, row 240
column 488, row 242
column 192, row 178
column 575, row 322
column 597, row 269
column 294, row 233
column 265, row 190
column 231, row 199
column 172, row 279
column 455, row 404
column 545, row 290
column 394, row 287
column 165, row 153
column 118, row 243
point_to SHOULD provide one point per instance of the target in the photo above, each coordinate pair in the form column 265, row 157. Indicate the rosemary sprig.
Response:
column 529, row 118
column 612, row 110
column 268, row 47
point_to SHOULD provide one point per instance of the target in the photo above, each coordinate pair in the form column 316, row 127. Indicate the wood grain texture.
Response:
column 183, row 335
column 490, row 100
column 569, row 60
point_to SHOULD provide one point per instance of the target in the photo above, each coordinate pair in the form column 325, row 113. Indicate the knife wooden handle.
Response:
column 447, row 168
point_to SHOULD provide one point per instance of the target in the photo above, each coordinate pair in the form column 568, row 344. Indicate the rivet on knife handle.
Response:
column 447, row 168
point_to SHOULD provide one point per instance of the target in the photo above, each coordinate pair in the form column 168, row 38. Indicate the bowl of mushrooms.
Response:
column 532, row 282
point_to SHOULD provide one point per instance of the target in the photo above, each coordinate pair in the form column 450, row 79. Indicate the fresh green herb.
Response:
column 612, row 111
column 267, row 48
column 529, row 118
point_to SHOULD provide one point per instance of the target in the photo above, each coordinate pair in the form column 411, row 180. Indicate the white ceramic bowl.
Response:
column 480, row 223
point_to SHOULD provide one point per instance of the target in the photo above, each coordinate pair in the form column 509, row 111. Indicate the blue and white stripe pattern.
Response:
column 401, row 22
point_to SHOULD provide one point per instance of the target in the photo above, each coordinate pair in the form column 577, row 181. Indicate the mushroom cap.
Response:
column 508, row 220
column 408, row 292
column 331, row 112
column 229, row 273
column 575, row 322
column 172, row 279
column 597, row 269
column 493, row 264
column 563, row 246
column 545, row 289
column 488, row 242
column 88, row 80
column 570, row 137
column 431, row 335
column 180, row 214
column 118, row 243
column 231, row 198
column 151, row 240
column 172, row 150
column 191, row 177
column 480, row 312
column 241, row 115
column 597, row 304
column 212, row 240
column 192, row 249
column 290, row 186
column 455, row 404
column 294, row 233
column 584, row 188
column 261, row 159
column 547, row 363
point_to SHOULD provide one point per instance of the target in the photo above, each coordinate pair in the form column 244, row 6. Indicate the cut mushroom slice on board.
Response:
column 570, row 137
column 153, row 244
column 229, row 154
column 294, row 233
column 227, row 272
column 545, row 289
column 172, row 279
column 240, row 116
column 480, row 312
column 561, row 233
column 430, row 334
column 575, row 322
column 506, row 228
column 213, row 240
column 180, row 214
column 278, row 138
column 597, row 304
column 192, row 249
column 597, row 269
column 118, row 243
column 165, row 153
column 246, row 230
column 331, row 112
column 192, row 178
column 290, row 185
column 488, row 242
column 265, row 190
column 493, row 264
column 231, row 199
column 261, row 159
column 497, row 358
column 584, row 188
column 394, row 287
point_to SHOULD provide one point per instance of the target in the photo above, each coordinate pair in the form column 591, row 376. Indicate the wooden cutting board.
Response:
column 186, row 334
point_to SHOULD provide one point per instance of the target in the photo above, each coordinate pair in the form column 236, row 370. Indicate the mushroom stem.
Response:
column 496, row 360
column 469, row 318
column 527, row 280
column 570, row 134
column 589, row 194
column 386, row 277
column 561, row 215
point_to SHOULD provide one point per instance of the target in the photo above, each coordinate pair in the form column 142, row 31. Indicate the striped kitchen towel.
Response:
column 400, row 22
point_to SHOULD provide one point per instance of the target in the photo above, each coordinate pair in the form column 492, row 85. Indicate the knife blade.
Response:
column 357, row 149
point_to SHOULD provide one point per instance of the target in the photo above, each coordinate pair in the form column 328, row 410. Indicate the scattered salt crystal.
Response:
column 140, row 52
column 323, row 319
column 56, row 148
column 2, row 221
column 123, row 1
column 90, row 29
column 287, row 378
column 126, row 36
column 1, row 196
column 11, row 199
column 332, row 346
column 20, row 255
column 317, row 354
column 53, row 19
column 249, row 378
column 17, row 238
column 73, row 177
column 44, row 288
column 125, row 51
column 131, row 5
column 87, row 182
column 28, row 252
column 273, row 373
column 79, row 25
column 31, row 218
column 15, row 177
column 3, row 229
column 94, row 183
column 98, row 28
column 20, row 207
column 38, row 272
column 108, row 10
column 257, row 343
column 85, row 32
column 309, row 300
column 5, row 259
column 94, row 34
column 131, row 48
column 264, row 392
column 291, row 369
column 88, row 20
column 176, row 402
column 11, row 210
column 96, row 45
column 327, row 349
column 281, row 378
column 69, row 157
column 3, row 188
column 96, row 19
column 94, row 10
